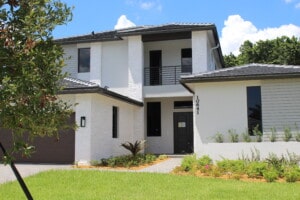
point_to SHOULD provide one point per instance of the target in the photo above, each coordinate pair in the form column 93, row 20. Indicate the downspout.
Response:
column 211, row 56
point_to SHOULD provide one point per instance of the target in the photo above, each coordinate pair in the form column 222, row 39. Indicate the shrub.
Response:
column 95, row 163
column 134, row 148
column 257, row 133
column 219, row 138
column 273, row 135
column 291, row 174
column 233, row 136
column 246, row 137
column 270, row 175
column 215, row 172
column 188, row 162
column 287, row 134
column 276, row 163
column 256, row 169
column 204, row 160
column 232, row 166
column 162, row 157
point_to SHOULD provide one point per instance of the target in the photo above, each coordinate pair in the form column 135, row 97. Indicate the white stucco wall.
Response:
column 164, row 144
column 95, row 141
column 96, row 63
column 71, row 60
column 200, row 51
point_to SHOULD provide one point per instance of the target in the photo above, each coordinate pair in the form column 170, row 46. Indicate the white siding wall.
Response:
column 71, row 60
column 164, row 144
column 95, row 75
column 280, row 103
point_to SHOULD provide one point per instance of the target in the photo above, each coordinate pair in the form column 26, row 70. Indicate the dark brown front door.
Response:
column 47, row 149
column 183, row 133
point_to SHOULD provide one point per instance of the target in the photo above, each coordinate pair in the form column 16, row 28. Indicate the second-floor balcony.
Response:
column 165, row 75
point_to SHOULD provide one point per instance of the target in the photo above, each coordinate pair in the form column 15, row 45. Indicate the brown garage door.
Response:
column 47, row 149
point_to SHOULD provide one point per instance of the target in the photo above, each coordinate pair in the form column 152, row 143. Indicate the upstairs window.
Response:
column 83, row 60
column 186, row 60
column 254, row 108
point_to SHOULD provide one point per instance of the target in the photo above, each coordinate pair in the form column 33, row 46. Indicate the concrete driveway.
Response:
column 6, row 173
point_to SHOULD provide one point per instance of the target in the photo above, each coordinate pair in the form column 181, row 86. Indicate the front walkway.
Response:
column 6, row 173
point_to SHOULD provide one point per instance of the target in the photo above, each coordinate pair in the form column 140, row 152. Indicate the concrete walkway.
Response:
column 6, row 173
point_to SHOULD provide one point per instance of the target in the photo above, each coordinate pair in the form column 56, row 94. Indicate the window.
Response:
column 183, row 104
column 84, row 60
column 254, row 108
column 115, row 113
column 153, row 119
column 186, row 60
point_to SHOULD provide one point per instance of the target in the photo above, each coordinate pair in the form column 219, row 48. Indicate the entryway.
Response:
column 183, row 132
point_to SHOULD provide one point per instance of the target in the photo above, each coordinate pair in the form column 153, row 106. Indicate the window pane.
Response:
column 183, row 104
column 115, row 122
column 186, row 60
column 254, row 108
column 84, row 60
column 153, row 119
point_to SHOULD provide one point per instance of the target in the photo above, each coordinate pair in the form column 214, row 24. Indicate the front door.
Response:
column 183, row 132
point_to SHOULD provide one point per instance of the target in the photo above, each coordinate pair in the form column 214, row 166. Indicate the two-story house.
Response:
column 126, row 84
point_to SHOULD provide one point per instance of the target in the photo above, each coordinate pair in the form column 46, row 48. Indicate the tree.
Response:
column 31, row 70
column 282, row 50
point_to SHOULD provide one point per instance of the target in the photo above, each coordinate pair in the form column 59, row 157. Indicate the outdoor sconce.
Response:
column 82, row 121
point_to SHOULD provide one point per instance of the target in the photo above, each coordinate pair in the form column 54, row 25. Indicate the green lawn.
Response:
column 93, row 184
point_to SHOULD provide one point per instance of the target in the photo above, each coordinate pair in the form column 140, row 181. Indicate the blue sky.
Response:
column 236, row 20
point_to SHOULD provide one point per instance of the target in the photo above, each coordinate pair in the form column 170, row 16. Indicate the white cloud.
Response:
column 297, row 6
column 288, row 1
column 123, row 22
column 237, row 30
column 147, row 5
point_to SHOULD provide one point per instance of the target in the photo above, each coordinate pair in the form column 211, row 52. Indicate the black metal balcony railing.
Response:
column 166, row 75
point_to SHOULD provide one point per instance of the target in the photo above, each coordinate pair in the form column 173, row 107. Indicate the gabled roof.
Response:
column 138, row 30
column 252, row 71
column 77, row 86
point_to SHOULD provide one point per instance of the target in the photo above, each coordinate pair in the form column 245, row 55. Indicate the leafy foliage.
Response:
column 282, row 50
column 31, row 69
column 135, row 147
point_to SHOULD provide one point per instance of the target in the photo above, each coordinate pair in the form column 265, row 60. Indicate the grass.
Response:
column 94, row 184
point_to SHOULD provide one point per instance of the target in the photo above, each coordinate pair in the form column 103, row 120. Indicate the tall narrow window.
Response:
column 254, row 108
column 186, row 60
column 155, row 67
column 153, row 119
column 115, row 113
column 84, row 60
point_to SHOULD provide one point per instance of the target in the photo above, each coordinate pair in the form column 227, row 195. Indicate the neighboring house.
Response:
column 240, row 98
column 126, row 84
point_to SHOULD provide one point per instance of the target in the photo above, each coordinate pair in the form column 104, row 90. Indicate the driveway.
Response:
column 6, row 173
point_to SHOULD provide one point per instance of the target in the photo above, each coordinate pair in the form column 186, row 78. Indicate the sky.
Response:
column 236, row 20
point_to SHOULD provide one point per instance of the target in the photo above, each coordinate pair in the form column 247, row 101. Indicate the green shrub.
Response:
column 276, row 163
column 95, row 163
column 204, row 160
column 135, row 147
column 188, row 162
column 219, row 138
column 232, row 166
column 215, row 172
column 256, row 169
column 270, row 175
column 162, row 157
column 246, row 137
column 287, row 134
column 257, row 133
column 128, row 160
column 292, row 174
column 233, row 136
column 273, row 135
column 297, row 137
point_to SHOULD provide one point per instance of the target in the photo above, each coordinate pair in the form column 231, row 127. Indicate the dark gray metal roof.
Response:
column 246, row 72
column 138, row 30
column 77, row 86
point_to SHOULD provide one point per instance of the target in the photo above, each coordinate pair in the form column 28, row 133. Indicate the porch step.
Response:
column 176, row 155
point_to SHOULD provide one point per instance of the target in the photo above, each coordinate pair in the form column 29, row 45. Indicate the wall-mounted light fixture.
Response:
column 82, row 121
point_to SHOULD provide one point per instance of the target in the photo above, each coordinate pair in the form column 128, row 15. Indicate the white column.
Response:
column 135, row 67
column 200, row 51
column 95, row 71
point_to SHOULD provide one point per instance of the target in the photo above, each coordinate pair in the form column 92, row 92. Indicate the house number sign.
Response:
column 197, row 104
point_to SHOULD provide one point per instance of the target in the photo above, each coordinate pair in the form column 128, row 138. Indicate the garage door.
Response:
column 47, row 149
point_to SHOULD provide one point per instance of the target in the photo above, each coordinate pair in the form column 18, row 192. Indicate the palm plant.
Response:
column 135, row 147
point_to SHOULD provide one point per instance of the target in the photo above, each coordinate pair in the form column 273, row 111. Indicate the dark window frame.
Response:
column 183, row 104
column 86, row 66
column 115, row 122
column 186, row 53
column 254, row 109
column 153, row 119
